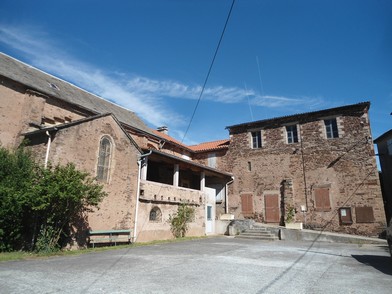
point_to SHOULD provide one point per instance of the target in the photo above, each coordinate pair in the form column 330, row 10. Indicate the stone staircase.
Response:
column 259, row 233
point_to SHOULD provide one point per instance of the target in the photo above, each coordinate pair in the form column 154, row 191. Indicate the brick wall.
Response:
column 345, row 166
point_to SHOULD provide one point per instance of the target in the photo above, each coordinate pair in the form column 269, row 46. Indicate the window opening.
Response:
column 209, row 212
column 256, row 139
column 331, row 128
column 155, row 214
column 105, row 147
column 292, row 134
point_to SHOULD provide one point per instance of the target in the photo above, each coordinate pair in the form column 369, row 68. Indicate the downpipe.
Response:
column 139, row 163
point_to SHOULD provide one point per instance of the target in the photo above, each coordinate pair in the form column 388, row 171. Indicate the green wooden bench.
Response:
column 110, row 236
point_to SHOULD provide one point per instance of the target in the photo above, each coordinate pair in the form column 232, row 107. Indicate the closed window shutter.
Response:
column 322, row 201
column 364, row 214
column 247, row 204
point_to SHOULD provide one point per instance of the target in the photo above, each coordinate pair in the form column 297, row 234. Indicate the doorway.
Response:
column 271, row 202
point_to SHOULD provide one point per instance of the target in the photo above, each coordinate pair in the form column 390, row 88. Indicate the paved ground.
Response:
column 213, row 265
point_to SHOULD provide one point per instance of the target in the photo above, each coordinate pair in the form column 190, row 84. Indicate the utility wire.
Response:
column 209, row 71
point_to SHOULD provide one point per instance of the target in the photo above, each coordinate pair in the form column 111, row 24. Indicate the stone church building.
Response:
column 320, row 165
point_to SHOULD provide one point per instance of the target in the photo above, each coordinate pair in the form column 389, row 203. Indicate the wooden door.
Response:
column 271, row 202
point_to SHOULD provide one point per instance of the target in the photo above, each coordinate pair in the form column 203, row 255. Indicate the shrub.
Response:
column 179, row 221
column 39, row 206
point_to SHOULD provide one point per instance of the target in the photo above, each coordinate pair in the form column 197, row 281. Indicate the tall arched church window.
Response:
column 105, row 150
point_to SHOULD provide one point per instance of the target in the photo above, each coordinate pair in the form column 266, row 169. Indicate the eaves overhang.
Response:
column 190, row 162
column 55, row 128
column 302, row 117
column 383, row 136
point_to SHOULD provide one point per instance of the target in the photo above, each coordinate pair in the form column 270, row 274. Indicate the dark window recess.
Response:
column 364, row 214
column 292, row 134
column 345, row 217
column 247, row 204
column 155, row 214
column 331, row 128
column 321, row 199
column 256, row 139
column 160, row 172
column 189, row 179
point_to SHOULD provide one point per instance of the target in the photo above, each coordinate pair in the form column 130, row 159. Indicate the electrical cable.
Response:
column 209, row 71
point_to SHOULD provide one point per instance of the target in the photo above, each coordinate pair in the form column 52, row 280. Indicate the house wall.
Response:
column 16, row 110
column 346, row 165
column 79, row 144
column 202, row 158
column 386, row 173
column 19, row 107
column 167, row 198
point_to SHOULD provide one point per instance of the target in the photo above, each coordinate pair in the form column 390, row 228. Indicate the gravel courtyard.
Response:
column 211, row 265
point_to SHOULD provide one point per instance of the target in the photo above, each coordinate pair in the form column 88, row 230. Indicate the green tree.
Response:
column 40, row 207
column 179, row 221
column 17, row 178
column 62, row 195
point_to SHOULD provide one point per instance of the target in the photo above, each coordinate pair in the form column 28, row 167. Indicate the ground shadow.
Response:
column 381, row 263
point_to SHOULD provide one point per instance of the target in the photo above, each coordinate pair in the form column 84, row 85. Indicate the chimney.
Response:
column 163, row 129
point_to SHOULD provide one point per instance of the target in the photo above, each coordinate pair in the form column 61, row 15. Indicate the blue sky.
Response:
column 276, row 58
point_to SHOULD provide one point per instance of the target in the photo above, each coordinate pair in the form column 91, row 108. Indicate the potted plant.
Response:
column 289, row 219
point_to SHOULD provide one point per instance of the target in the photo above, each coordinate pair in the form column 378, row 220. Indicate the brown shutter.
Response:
column 247, row 204
column 271, row 208
column 364, row 214
column 321, row 197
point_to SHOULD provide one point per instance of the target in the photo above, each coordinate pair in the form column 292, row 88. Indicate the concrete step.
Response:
column 264, row 238
column 259, row 233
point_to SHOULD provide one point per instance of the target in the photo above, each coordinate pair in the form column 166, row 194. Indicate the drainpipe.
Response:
column 226, row 194
column 47, row 149
column 139, row 163
column 303, row 169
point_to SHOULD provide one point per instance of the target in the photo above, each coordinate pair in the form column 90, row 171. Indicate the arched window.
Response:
column 105, row 149
column 155, row 215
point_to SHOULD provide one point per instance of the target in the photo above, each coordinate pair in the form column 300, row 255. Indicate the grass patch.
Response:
column 23, row 255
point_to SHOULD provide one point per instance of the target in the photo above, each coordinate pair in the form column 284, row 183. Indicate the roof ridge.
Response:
column 364, row 103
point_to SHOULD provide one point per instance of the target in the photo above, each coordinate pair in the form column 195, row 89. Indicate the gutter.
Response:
column 139, row 163
column 48, row 147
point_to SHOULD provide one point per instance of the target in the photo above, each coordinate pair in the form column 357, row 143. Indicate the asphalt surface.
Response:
column 212, row 265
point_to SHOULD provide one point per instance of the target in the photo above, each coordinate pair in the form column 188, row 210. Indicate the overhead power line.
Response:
column 209, row 70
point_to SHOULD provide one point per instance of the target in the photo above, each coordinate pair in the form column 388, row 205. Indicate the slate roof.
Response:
column 383, row 136
column 210, row 146
column 49, row 85
column 306, row 116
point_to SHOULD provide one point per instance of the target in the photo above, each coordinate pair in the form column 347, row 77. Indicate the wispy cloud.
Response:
column 145, row 96
column 44, row 54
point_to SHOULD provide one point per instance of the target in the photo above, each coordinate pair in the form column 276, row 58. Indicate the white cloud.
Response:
column 142, row 95
column 45, row 55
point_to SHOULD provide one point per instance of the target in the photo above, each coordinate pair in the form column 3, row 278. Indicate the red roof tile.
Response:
column 215, row 145
column 170, row 139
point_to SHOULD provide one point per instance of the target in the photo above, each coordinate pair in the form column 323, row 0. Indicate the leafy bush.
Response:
column 179, row 221
column 290, row 213
column 38, row 206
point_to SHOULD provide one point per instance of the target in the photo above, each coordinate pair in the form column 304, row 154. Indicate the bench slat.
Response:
column 113, row 236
